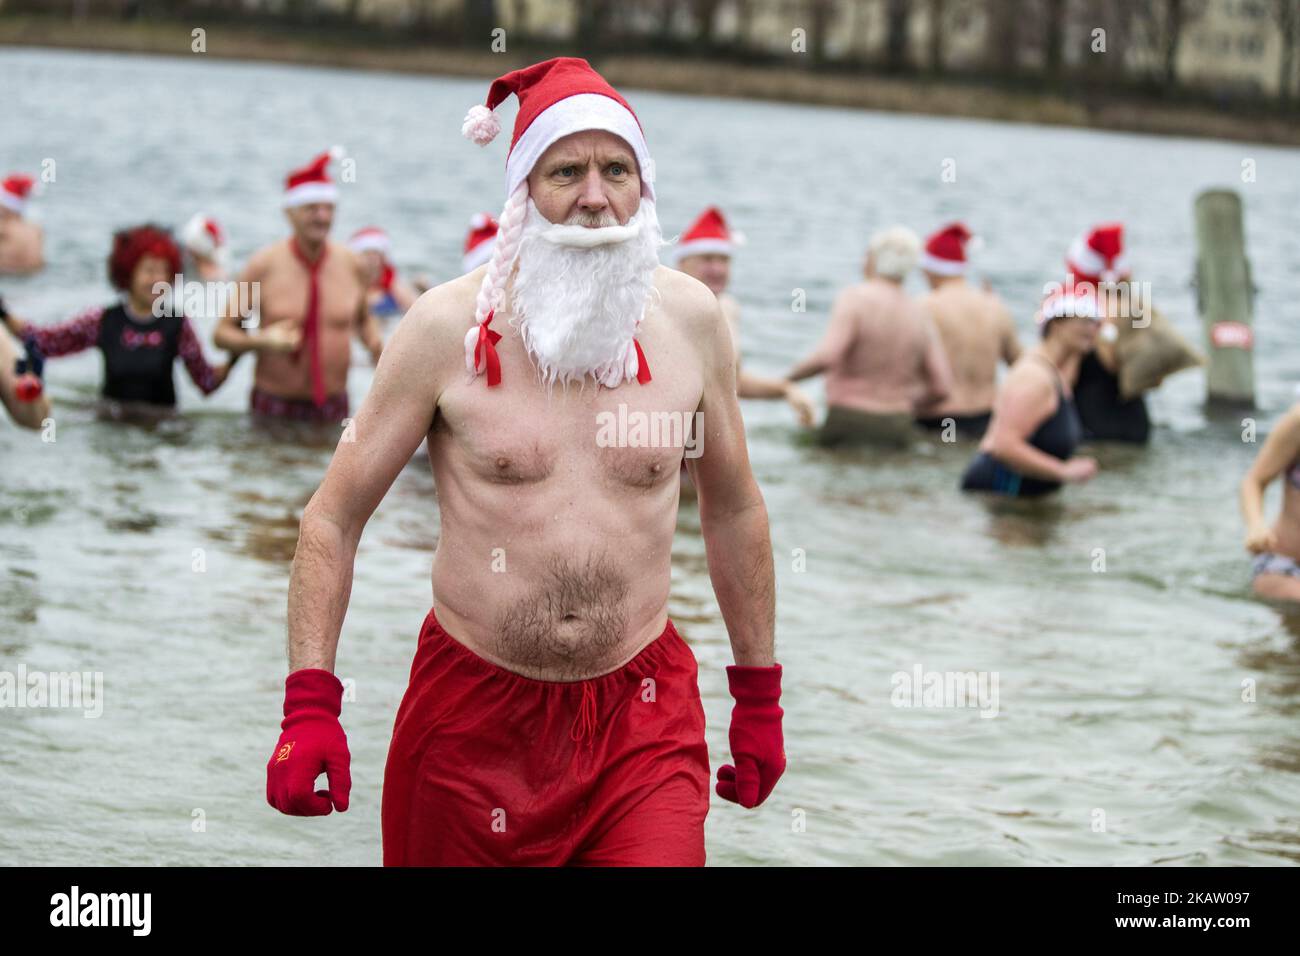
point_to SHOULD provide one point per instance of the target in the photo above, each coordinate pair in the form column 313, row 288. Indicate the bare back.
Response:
column 20, row 247
column 977, row 332
column 881, row 364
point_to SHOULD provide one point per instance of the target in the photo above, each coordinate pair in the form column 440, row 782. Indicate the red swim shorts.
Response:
column 488, row 767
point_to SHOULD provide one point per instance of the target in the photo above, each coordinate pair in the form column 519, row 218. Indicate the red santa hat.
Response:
column 708, row 234
column 15, row 192
column 556, row 97
column 371, row 237
column 1098, row 256
column 1065, row 302
column 945, row 250
column 312, row 182
column 479, row 241
column 202, row 236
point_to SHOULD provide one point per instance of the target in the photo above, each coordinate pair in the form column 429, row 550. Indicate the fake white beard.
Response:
column 580, row 293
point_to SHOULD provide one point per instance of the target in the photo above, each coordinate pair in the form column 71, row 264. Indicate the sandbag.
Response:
column 1147, row 356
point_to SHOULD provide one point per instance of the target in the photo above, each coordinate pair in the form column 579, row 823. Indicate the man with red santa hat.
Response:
column 976, row 329
column 21, row 240
column 480, row 241
column 704, row 252
column 553, row 715
column 312, row 301
column 388, row 295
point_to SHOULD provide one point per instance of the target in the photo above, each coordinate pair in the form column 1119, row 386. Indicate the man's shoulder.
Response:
column 342, row 252
column 448, row 307
column 685, row 298
column 267, row 256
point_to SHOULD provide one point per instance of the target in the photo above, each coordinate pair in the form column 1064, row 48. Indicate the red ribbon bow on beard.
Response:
column 642, row 366
column 311, row 322
column 485, row 350
column 485, row 353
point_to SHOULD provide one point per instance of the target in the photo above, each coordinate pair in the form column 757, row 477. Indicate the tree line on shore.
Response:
column 1043, row 42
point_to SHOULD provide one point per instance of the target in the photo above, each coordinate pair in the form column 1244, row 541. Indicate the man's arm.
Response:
column 935, row 367
column 396, row 415
column 369, row 331
column 733, row 518
column 1011, row 350
column 836, row 341
column 230, row 334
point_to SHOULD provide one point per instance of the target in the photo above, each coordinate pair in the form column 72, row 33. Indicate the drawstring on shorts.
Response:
column 584, row 725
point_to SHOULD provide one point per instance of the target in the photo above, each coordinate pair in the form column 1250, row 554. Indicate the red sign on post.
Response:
column 1232, row 335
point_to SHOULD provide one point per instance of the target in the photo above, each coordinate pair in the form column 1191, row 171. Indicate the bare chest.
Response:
column 518, row 433
column 284, row 295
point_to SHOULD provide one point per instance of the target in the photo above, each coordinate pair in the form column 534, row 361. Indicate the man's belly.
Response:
column 550, row 613
column 288, row 375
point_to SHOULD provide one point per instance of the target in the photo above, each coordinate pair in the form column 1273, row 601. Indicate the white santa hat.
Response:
column 16, row 191
column 479, row 241
column 371, row 237
column 312, row 183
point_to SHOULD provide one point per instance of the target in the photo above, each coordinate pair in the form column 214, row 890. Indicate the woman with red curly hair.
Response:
column 140, row 343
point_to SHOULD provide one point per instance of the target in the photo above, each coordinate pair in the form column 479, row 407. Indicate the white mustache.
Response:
column 589, row 237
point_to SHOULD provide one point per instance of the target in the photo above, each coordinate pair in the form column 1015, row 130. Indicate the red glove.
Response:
column 757, row 744
column 313, row 741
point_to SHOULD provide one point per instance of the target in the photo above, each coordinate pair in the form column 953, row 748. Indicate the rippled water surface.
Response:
column 1120, row 692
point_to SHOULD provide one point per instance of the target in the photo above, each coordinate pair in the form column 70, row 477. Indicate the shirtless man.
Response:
column 704, row 252
column 976, row 330
column 388, row 295
column 553, row 714
column 21, row 241
column 1275, row 571
column 881, row 354
column 312, row 300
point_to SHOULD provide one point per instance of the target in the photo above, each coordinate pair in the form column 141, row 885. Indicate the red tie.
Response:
column 311, row 322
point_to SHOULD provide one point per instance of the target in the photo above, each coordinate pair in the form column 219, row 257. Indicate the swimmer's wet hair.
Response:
column 133, row 244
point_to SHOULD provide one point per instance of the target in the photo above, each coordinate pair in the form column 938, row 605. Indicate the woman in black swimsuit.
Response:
column 1029, row 447
column 139, row 346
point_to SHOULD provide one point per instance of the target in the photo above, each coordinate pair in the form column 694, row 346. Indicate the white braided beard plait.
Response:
column 492, row 291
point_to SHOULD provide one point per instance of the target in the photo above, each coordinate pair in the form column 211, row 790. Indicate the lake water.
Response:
column 1121, row 734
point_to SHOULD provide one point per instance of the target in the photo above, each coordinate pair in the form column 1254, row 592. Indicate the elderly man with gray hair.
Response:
column 881, row 353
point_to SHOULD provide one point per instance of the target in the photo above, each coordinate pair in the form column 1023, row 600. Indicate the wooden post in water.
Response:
column 1225, row 299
